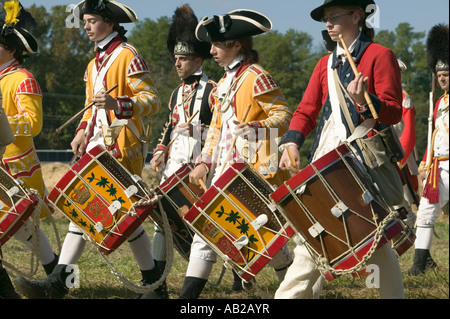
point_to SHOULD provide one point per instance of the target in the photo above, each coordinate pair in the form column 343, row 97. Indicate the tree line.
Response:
column 64, row 53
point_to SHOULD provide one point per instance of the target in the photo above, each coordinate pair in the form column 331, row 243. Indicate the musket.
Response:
column 430, row 123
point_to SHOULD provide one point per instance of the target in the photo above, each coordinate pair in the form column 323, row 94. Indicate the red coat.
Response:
column 408, row 136
column 374, row 61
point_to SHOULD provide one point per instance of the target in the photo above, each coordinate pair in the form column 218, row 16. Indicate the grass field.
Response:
column 97, row 282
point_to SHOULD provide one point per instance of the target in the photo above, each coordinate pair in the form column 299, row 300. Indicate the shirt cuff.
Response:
column 124, row 107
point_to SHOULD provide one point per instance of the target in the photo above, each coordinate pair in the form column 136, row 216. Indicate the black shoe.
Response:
column 420, row 262
column 52, row 287
column 430, row 264
column 151, row 276
column 7, row 290
column 48, row 268
column 192, row 288
column 237, row 283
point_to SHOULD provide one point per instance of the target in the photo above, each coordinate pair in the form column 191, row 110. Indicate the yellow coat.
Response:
column 268, row 110
column 22, row 102
column 139, row 98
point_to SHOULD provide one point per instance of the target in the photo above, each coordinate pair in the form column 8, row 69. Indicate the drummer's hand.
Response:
column 199, row 172
column 422, row 176
column 157, row 161
column 105, row 101
column 285, row 161
column 78, row 144
column 356, row 89
column 243, row 130
column 185, row 129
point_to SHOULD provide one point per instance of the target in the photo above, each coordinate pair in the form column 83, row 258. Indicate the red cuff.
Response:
column 125, row 108
column 82, row 126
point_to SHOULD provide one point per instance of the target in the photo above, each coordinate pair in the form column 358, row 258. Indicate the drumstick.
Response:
column 173, row 140
column 202, row 184
column 355, row 70
column 235, row 138
column 81, row 112
column 291, row 158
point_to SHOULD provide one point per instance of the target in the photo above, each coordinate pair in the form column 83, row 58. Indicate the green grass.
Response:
column 97, row 281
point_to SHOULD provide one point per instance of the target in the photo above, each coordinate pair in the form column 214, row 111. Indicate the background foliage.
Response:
column 290, row 57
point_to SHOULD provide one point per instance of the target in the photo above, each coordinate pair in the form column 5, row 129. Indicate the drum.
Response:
column 16, row 205
column 103, row 199
column 177, row 195
column 405, row 240
column 239, row 220
column 337, row 212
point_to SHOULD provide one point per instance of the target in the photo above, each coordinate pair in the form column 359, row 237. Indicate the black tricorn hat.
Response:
column 437, row 48
column 318, row 13
column 14, row 22
column 110, row 9
column 181, row 39
column 233, row 25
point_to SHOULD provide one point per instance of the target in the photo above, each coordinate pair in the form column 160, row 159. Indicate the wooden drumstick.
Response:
column 173, row 140
column 291, row 158
column 355, row 70
column 235, row 138
column 82, row 111
column 202, row 184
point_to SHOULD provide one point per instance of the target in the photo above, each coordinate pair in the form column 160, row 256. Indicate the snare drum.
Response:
column 103, row 199
column 237, row 218
column 16, row 206
column 405, row 240
column 333, row 207
column 177, row 195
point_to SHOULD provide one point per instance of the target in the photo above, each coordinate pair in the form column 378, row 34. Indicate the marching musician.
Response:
column 114, row 122
column 435, row 162
column 245, row 88
column 190, row 110
column 380, row 71
column 22, row 103
column 406, row 131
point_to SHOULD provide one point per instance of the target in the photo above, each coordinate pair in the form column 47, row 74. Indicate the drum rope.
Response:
column 169, row 256
column 325, row 267
column 264, row 252
column 336, row 199
column 34, row 258
column 268, row 203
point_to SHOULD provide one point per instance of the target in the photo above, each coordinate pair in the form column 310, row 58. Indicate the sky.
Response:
column 288, row 14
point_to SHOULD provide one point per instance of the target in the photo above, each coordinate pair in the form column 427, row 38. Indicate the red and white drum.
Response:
column 333, row 207
column 239, row 220
column 103, row 199
column 177, row 195
column 16, row 205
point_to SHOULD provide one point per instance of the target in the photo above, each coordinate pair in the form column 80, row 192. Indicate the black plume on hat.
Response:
column 181, row 38
column 437, row 48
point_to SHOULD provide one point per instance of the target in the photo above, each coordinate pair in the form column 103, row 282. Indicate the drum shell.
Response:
column 85, row 193
column 15, row 209
column 315, row 196
column 177, row 195
column 224, row 214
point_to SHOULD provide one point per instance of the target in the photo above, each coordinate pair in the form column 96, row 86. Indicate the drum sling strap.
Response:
column 380, row 166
